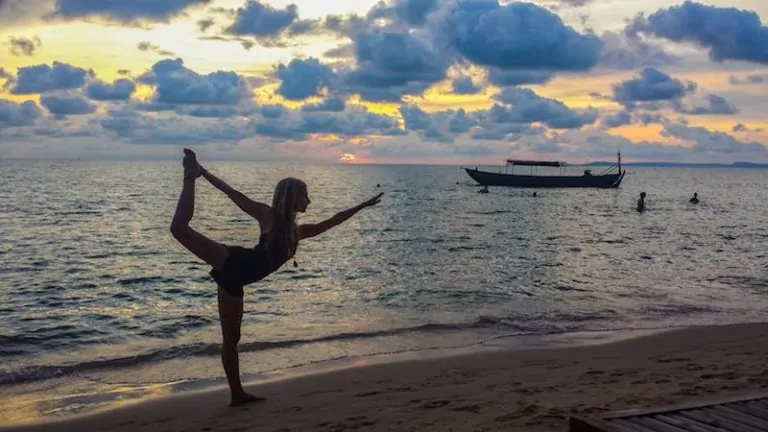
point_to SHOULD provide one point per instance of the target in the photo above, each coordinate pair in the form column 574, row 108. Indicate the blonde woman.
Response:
column 233, row 267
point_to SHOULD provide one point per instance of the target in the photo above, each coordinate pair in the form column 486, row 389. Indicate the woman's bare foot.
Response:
column 244, row 399
column 192, row 168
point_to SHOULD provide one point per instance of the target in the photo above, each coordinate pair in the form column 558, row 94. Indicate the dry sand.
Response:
column 514, row 390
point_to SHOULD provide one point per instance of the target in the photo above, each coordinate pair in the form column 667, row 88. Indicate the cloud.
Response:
column 465, row 85
column 528, row 107
column 65, row 104
column 728, row 33
column 739, row 127
column 630, row 52
column 139, row 128
column 299, row 125
column 176, row 84
column 273, row 111
column 708, row 141
column 411, row 12
column 18, row 114
column 393, row 64
column 5, row 75
column 205, row 24
column 503, row 78
column 121, row 89
column 209, row 111
column 651, row 85
column 749, row 79
column 330, row 104
column 621, row 118
column 43, row 78
column 714, row 105
column 301, row 79
column 518, row 36
column 262, row 20
column 24, row 46
column 19, row 13
column 150, row 47
column 124, row 11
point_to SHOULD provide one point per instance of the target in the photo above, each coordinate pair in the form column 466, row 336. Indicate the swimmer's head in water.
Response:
column 642, row 194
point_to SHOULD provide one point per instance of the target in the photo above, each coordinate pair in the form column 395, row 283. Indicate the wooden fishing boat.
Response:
column 611, row 177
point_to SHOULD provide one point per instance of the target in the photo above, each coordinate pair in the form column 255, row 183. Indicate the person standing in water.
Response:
column 641, row 202
column 233, row 267
column 695, row 199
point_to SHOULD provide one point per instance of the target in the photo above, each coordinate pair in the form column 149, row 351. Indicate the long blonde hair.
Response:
column 283, row 233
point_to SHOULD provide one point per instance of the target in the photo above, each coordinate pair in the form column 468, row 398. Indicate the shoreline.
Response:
column 73, row 398
column 573, row 373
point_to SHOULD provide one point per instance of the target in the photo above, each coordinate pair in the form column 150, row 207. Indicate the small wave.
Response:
column 522, row 325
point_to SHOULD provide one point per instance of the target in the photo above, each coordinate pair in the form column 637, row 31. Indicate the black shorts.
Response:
column 242, row 267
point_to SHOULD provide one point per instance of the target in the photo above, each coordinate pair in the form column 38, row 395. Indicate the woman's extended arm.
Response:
column 311, row 230
column 259, row 211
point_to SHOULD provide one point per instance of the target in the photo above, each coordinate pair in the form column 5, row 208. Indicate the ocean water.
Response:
column 97, row 297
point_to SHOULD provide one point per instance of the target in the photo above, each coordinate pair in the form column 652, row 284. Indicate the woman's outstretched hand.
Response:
column 373, row 201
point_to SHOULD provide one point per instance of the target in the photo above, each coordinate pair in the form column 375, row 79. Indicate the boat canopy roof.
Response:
column 535, row 163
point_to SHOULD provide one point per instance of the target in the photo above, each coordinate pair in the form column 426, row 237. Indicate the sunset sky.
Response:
column 397, row 81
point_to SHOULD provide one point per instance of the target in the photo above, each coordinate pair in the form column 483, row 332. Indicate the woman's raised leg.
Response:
column 204, row 248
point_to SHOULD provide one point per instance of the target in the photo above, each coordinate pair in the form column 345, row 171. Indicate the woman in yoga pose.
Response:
column 233, row 266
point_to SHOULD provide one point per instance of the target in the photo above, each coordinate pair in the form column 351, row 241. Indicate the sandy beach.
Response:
column 525, row 390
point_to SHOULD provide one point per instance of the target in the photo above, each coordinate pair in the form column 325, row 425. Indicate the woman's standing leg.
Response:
column 231, row 317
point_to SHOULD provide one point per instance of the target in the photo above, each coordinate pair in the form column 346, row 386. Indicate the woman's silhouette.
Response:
column 233, row 267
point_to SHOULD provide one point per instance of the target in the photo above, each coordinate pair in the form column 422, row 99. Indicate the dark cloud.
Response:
column 714, row 105
column 302, row 79
column 392, row 64
column 20, row 13
column 205, row 24
column 43, row 78
column 176, row 84
column 651, row 85
column 340, row 52
column 465, row 85
column 262, row 20
column 121, row 89
column 4, row 74
column 300, row 125
column 18, row 114
column 414, row 12
column 503, row 78
column 330, row 104
column 415, row 118
column 150, row 47
column 528, row 107
column 708, row 141
column 518, row 36
column 124, row 11
column 123, row 72
column 208, row 111
column 625, row 52
column 749, row 79
column 621, row 118
column 139, row 128
column 740, row 127
column 66, row 104
column 728, row 33
column 24, row 46
column 273, row 111
column 459, row 122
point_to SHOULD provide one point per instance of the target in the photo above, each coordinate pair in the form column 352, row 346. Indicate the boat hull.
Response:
column 605, row 181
